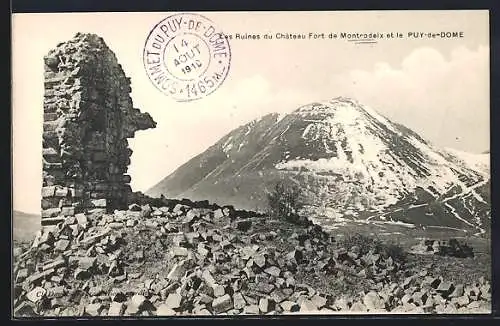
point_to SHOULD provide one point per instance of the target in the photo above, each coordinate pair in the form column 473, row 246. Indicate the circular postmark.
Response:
column 186, row 56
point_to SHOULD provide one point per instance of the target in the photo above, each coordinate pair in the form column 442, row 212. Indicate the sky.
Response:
column 437, row 87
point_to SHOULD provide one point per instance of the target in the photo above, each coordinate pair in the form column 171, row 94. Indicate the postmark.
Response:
column 186, row 56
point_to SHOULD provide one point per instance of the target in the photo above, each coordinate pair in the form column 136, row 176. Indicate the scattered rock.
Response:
column 177, row 271
column 222, row 304
column 251, row 310
column 273, row 270
column 259, row 260
column 458, row 291
column 318, row 301
column 173, row 301
column 36, row 294
column 266, row 305
column 358, row 307
column 445, row 288
column 116, row 309
column 238, row 301
column 307, row 306
column 94, row 309
column 165, row 310
column 290, row 306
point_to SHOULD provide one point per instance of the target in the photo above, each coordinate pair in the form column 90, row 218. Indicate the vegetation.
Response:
column 366, row 244
column 285, row 201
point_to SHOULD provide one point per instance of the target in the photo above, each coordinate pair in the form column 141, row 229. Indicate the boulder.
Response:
column 252, row 309
column 179, row 252
column 307, row 306
column 266, row 305
column 116, row 308
column 259, row 260
column 222, row 304
column 373, row 301
column 134, row 208
column 238, row 301
column 263, row 287
column 318, row 301
column 165, row 310
column 289, row 306
column 358, row 307
column 218, row 290
column 445, row 288
column 173, row 301
column 37, row 294
column 177, row 271
column 458, row 291
column 94, row 309
column 273, row 270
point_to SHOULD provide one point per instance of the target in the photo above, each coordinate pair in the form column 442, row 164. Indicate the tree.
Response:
column 285, row 201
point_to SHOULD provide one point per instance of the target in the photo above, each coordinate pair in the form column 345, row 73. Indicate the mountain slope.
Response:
column 25, row 226
column 347, row 158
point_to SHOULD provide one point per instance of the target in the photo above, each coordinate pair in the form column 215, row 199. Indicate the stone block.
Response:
column 50, row 202
column 51, row 212
column 238, row 301
column 165, row 310
column 55, row 264
column 222, row 304
column 51, row 221
column 251, row 310
column 50, row 126
column 266, row 305
column 173, row 301
column 61, row 191
column 48, row 135
column 51, row 166
column 68, row 211
column 98, row 202
column 177, row 271
column 36, row 294
column 51, row 155
column 116, row 309
column 50, row 116
column 76, row 192
column 48, row 191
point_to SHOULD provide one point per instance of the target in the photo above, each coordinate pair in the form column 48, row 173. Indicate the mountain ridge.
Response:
column 344, row 155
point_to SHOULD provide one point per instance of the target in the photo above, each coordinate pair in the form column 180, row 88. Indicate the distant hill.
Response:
column 25, row 226
column 347, row 158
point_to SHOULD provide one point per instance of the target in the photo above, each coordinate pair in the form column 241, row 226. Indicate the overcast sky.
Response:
column 437, row 87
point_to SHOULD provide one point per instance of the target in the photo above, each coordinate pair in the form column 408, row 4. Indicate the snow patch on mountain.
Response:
column 480, row 162
column 226, row 148
column 355, row 135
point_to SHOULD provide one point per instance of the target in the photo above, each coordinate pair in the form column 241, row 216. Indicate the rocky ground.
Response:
column 180, row 260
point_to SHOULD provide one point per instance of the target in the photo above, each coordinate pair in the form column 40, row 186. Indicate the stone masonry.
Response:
column 88, row 116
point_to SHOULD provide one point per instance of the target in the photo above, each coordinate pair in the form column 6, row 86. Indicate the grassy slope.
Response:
column 25, row 226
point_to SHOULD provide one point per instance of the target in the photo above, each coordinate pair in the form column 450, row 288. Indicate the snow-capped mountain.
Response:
column 346, row 157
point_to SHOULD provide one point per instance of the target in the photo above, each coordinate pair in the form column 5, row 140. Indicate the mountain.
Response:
column 351, row 163
column 25, row 226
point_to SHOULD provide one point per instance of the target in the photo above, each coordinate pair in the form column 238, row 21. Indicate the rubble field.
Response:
column 180, row 260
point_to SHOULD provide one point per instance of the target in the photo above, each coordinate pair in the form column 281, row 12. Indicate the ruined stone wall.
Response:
column 88, row 116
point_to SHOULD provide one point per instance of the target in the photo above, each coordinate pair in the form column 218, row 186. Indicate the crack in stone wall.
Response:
column 88, row 116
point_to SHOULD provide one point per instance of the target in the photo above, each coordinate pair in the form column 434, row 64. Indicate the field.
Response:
column 456, row 269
